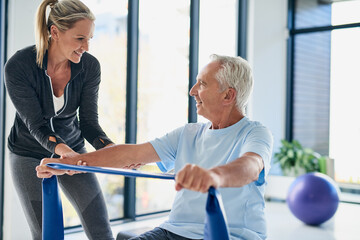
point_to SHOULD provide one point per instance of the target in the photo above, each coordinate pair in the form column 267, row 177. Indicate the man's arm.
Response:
column 117, row 156
column 238, row 173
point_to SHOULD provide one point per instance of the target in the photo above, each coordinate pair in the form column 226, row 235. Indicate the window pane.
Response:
column 312, row 13
column 153, row 195
column 317, row 13
column 109, row 47
column 218, row 29
column 163, row 80
column 345, row 12
column 345, row 99
column 312, row 90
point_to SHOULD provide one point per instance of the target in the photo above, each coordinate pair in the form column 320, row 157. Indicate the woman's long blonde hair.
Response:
column 63, row 14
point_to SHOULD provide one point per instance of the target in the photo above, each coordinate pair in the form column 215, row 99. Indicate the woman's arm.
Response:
column 24, row 97
column 88, row 110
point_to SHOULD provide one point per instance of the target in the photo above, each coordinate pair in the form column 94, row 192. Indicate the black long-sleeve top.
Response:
column 30, row 90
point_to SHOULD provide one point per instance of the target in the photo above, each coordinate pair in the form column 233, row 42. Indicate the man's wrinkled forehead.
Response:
column 209, row 69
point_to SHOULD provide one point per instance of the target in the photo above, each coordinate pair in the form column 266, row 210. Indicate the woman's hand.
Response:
column 69, row 155
column 44, row 171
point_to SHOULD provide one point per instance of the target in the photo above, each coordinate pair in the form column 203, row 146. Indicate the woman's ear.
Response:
column 230, row 96
column 54, row 31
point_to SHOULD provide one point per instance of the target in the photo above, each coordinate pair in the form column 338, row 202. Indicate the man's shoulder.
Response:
column 253, row 123
column 255, row 127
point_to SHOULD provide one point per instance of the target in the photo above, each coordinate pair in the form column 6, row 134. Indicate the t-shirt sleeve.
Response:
column 166, row 148
column 260, row 141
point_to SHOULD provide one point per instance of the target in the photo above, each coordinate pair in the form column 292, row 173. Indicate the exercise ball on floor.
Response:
column 313, row 198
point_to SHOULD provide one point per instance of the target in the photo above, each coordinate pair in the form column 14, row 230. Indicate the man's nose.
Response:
column 193, row 90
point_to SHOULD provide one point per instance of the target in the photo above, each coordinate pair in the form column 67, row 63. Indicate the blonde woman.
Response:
column 54, row 88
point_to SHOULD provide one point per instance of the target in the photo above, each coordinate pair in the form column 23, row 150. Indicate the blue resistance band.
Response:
column 53, row 225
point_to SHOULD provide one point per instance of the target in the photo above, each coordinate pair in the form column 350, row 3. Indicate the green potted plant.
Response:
column 295, row 160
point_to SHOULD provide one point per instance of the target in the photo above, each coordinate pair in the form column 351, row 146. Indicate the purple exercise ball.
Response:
column 313, row 198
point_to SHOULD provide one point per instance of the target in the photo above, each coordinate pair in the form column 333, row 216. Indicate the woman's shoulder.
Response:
column 89, row 59
column 22, row 59
column 27, row 54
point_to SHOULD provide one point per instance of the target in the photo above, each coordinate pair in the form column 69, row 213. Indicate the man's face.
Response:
column 206, row 91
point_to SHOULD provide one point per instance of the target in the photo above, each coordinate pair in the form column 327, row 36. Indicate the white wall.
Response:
column 20, row 34
column 267, row 55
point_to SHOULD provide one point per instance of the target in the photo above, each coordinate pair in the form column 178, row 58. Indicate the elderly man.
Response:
column 230, row 152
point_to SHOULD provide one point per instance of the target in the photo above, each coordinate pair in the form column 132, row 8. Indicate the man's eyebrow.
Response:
column 202, row 81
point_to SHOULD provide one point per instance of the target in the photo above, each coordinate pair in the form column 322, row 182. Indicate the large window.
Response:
column 345, row 97
column 324, row 78
column 163, row 83
column 109, row 46
column 218, row 29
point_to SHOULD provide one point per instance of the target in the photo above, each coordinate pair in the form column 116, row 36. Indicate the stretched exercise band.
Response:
column 53, row 225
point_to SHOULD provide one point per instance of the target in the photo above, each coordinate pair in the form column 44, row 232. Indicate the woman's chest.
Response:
column 59, row 81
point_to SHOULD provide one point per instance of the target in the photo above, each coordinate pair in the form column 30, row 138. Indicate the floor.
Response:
column 282, row 225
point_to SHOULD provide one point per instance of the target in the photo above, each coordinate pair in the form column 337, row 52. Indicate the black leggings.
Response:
column 82, row 190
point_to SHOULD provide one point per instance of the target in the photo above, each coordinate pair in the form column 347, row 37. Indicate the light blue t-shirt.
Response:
column 196, row 143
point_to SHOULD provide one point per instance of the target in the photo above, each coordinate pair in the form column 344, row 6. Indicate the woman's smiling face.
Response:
column 74, row 42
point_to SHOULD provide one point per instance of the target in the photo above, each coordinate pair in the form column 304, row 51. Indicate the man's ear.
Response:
column 230, row 96
column 54, row 31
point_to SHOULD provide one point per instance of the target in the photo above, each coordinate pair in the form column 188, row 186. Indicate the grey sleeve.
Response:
column 88, row 111
column 26, row 102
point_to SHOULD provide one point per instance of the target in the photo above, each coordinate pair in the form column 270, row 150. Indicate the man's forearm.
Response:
column 118, row 156
column 240, row 172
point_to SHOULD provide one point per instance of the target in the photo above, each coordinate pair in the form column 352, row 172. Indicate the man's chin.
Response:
column 200, row 113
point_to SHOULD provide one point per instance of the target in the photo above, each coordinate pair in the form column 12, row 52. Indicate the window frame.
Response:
column 3, row 55
column 293, row 32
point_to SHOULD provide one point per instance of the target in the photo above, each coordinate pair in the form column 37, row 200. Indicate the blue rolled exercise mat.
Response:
column 53, row 226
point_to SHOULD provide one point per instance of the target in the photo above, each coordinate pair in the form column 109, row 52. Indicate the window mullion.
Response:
column 194, row 54
column 131, row 100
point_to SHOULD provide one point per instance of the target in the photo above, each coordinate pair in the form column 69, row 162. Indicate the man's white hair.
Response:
column 235, row 72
